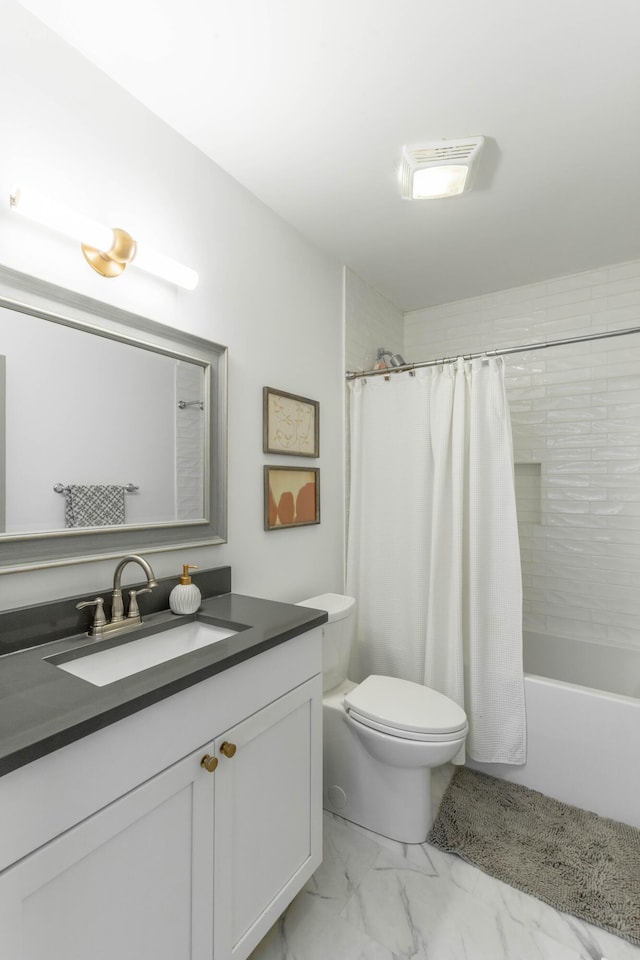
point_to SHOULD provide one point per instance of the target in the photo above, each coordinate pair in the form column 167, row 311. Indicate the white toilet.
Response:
column 381, row 737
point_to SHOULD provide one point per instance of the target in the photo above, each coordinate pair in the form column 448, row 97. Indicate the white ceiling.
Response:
column 308, row 103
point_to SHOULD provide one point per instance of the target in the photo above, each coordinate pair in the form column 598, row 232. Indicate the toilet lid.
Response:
column 404, row 706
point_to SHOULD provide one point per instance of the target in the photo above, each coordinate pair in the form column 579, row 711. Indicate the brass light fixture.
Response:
column 112, row 262
column 107, row 250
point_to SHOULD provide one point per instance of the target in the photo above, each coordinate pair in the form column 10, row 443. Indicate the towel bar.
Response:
column 127, row 487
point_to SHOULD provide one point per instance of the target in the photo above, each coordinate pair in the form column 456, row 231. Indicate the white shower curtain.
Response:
column 433, row 554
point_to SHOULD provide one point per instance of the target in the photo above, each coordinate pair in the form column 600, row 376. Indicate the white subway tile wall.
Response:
column 575, row 412
column 189, row 443
column 372, row 321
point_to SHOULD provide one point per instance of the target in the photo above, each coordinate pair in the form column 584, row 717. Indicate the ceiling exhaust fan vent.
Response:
column 439, row 169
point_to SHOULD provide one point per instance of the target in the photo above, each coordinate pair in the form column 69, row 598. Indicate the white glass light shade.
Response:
column 166, row 268
column 57, row 216
column 430, row 183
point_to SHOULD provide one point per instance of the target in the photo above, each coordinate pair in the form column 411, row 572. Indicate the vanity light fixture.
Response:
column 443, row 168
column 107, row 250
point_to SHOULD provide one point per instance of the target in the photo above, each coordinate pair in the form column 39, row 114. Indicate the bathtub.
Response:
column 583, row 726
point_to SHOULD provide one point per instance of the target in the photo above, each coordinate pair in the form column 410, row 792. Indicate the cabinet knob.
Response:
column 228, row 749
column 209, row 763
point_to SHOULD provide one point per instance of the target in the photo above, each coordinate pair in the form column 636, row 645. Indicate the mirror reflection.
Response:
column 99, row 432
column 113, row 430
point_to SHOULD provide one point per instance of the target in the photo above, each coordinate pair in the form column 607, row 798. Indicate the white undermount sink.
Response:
column 107, row 666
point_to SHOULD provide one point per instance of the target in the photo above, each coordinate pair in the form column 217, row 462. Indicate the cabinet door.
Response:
column 133, row 881
column 268, row 817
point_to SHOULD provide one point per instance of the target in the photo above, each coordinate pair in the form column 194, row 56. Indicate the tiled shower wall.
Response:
column 576, row 423
column 189, row 443
column 372, row 321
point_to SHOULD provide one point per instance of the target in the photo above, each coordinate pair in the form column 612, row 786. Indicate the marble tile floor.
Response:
column 376, row 899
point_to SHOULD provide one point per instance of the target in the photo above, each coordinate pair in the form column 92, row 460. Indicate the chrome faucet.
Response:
column 102, row 627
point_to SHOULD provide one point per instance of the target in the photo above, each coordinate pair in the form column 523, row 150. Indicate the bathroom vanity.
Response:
column 168, row 815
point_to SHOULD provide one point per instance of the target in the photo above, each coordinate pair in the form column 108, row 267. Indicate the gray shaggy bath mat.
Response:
column 575, row 861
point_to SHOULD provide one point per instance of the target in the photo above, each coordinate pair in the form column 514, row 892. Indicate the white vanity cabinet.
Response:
column 191, row 863
column 264, row 837
column 132, row 880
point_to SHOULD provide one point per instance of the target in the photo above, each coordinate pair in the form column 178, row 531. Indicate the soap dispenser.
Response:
column 185, row 596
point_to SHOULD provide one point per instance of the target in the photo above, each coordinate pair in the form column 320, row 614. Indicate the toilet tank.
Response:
column 336, row 635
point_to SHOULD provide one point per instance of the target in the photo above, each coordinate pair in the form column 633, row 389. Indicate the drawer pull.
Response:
column 228, row 749
column 209, row 763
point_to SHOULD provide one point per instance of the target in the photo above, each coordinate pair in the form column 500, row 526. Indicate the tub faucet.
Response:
column 102, row 627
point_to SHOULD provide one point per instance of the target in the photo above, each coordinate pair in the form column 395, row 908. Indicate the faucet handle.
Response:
column 99, row 619
column 134, row 612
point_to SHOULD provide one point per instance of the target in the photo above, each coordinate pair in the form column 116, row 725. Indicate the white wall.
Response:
column 576, row 424
column 270, row 296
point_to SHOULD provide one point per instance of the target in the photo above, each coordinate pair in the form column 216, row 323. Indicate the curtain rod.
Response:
column 498, row 352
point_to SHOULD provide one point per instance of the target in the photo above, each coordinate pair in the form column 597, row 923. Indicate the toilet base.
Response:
column 391, row 801
column 407, row 823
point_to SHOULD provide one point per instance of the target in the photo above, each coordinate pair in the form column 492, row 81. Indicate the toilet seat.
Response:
column 408, row 734
column 404, row 709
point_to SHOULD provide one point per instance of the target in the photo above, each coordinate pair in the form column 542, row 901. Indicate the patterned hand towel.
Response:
column 94, row 505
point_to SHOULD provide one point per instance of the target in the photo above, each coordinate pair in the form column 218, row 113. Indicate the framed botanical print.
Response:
column 290, row 424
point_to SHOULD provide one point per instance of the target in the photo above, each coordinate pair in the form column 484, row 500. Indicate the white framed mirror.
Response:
column 113, row 430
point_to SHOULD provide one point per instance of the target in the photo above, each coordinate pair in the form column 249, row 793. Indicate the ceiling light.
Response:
column 441, row 169
column 107, row 250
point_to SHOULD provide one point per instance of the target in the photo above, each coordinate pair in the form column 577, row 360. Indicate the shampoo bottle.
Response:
column 185, row 596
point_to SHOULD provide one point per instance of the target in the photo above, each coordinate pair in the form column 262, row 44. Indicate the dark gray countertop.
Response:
column 43, row 708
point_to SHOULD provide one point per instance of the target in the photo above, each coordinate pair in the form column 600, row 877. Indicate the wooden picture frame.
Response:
column 290, row 424
column 291, row 497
